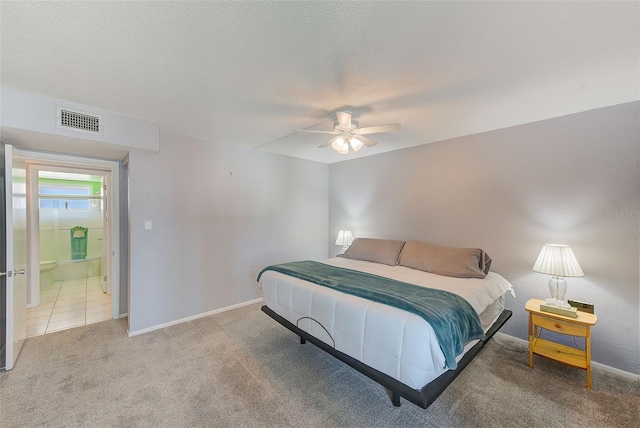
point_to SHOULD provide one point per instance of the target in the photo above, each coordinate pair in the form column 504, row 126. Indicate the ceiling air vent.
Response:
column 79, row 121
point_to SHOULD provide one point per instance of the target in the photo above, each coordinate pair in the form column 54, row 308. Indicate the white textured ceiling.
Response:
column 248, row 73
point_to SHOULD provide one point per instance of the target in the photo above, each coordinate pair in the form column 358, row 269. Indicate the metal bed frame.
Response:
column 421, row 397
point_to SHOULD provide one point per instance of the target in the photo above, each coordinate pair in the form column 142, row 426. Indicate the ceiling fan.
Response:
column 348, row 133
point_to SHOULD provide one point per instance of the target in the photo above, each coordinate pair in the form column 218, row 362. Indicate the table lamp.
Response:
column 559, row 262
column 345, row 238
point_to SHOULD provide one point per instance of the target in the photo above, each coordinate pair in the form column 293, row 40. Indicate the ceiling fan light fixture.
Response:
column 344, row 149
column 337, row 144
column 355, row 144
column 348, row 133
column 341, row 145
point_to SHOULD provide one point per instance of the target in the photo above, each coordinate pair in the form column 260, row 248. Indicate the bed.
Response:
column 396, row 346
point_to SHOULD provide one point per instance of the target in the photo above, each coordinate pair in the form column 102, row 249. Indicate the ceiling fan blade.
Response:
column 366, row 141
column 390, row 127
column 328, row 143
column 313, row 131
column 344, row 119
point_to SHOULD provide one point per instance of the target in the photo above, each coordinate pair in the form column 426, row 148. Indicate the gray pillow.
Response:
column 446, row 261
column 385, row 251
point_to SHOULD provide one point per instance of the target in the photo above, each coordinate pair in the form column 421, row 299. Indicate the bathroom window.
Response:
column 64, row 197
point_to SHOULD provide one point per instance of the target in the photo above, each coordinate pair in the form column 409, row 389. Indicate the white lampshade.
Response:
column 339, row 145
column 356, row 144
column 345, row 238
column 558, row 260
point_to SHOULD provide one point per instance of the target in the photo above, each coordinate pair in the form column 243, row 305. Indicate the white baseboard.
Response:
column 600, row 366
column 126, row 314
column 193, row 317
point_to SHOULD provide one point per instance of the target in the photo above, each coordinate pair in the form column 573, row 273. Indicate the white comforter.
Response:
column 393, row 341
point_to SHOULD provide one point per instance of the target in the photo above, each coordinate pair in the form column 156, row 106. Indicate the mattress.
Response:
column 393, row 341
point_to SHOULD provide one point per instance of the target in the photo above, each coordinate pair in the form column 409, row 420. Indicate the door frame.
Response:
column 111, row 169
column 3, row 267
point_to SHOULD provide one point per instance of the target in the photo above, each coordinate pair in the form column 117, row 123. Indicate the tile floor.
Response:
column 68, row 304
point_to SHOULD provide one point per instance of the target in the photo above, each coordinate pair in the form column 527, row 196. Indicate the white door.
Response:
column 15, row 239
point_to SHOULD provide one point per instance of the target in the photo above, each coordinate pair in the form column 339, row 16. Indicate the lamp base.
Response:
column 557, row 287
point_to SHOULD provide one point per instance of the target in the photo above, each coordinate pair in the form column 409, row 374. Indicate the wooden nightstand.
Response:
column 580, row 327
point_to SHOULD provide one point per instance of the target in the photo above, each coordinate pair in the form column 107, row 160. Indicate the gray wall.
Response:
column 571, row 180
column 217, row 210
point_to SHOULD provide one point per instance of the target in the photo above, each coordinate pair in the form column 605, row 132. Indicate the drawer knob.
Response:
column 558, row 325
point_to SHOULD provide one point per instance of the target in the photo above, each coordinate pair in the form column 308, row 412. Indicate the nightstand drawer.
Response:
column 559, row 326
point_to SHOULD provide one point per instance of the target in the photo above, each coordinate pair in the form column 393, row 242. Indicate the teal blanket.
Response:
column 453, row 319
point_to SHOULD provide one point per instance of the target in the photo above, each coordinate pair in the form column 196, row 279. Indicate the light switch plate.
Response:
column 148, row 225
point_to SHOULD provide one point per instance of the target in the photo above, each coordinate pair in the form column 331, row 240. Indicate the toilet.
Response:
column 45, row 272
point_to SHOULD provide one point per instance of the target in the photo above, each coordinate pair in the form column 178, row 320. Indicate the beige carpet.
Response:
column 242, row 369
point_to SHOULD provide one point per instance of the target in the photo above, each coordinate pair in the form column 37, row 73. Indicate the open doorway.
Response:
column 74, row 287
column 73, row 242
